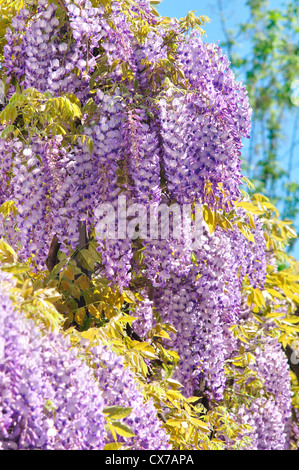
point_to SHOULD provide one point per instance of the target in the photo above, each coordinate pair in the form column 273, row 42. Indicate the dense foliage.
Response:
column 162, row 338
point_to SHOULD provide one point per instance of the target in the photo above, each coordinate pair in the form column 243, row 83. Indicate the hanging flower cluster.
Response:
column 51, row 399
column 120, row 388
column 269, row 415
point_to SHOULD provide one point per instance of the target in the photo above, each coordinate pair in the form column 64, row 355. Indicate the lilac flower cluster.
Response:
column 141, row 148
column 87, row 32
column 120, row 388
column 175, row 146
column 269, row 415
column 142, row 157
column 202, row 131
column 6, row 158
column 31, row 196
column 49, row 398
column 46, row 60
column 253, row 253
column 108, row 163
column 199, row 306
column 14, row 49
column 202, row 302
column 144, row 312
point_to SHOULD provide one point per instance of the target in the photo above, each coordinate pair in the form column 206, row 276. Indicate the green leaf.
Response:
column 201, row 425
column 122, row 429
column 112, row 430
column 7, row 254
column 248, row 182
column 15, row 268
column 114, row 65
column 129, row 296
column 56, row 270
column 56, row 129
column 174, row 383
column 174, row 423
column 8, row 208
column 248, row 206
column 259, row 299
column 117, row 412
column 86, row 260
column 113, row 446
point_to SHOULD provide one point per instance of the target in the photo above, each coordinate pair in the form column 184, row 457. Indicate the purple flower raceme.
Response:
column 194, row 305
column 144, row 313
column 142, row 157
column 109, row 148
column 206, row 300
column 45, row 60
column 86, row 23
column 269, row 415
column 201, row 132
column 49, row 398
column 120, row 389
column 31, row 195
column 6, row 156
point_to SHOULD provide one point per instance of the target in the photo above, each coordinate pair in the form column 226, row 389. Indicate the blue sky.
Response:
column 236, row 12
column 177, row 8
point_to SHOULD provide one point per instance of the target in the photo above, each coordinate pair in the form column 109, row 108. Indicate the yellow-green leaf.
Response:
column 117, row 412
column 15, row 268
column 122, row 429
column 113, row 446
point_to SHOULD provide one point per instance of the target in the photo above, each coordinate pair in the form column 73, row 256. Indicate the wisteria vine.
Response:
column 143, row 135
